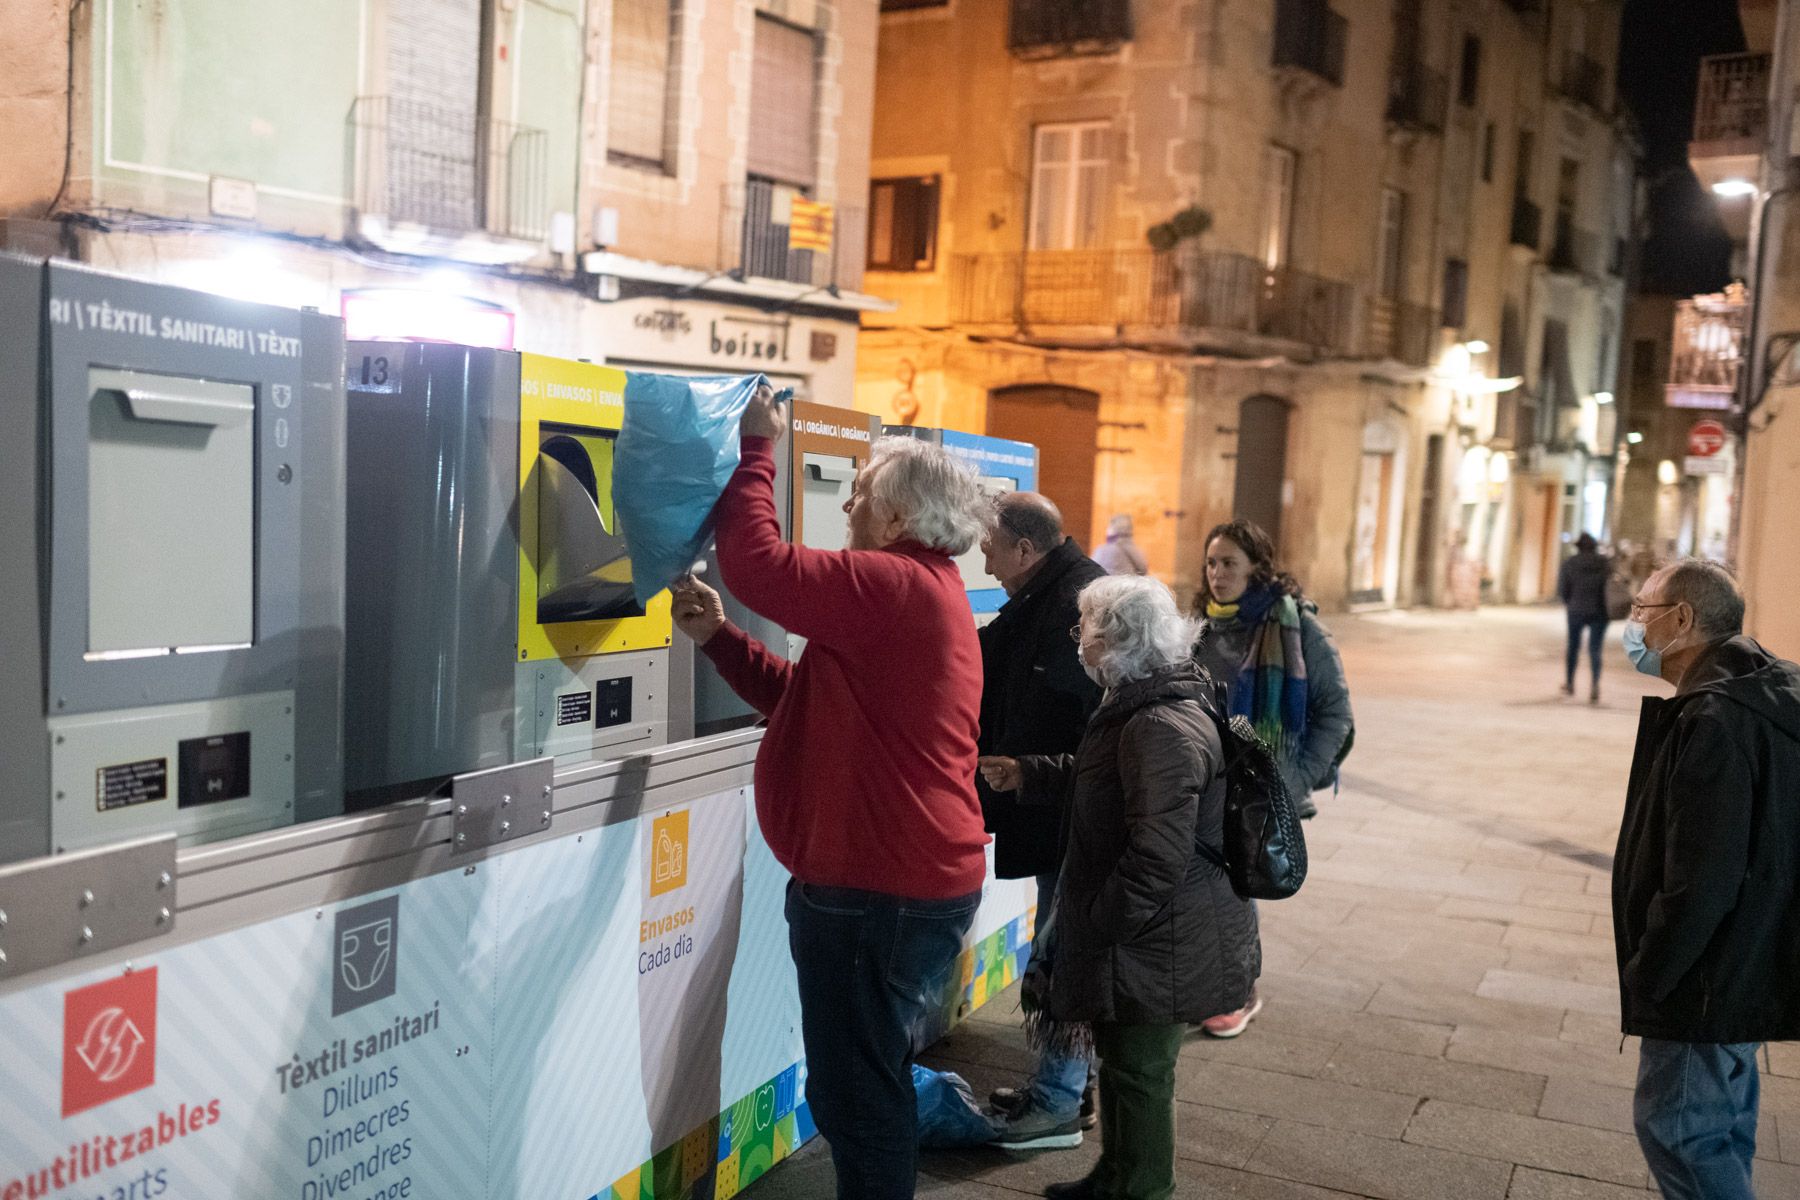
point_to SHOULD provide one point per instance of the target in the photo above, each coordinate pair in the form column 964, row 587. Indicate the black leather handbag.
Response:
column 1264, row 854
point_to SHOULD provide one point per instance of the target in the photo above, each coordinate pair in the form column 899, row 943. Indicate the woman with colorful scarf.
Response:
column 1262, row 640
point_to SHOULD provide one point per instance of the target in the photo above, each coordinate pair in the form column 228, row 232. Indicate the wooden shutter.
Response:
column 638, row 88
column 783, row 87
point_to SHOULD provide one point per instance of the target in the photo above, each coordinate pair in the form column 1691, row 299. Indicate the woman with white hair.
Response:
column 1150, row 935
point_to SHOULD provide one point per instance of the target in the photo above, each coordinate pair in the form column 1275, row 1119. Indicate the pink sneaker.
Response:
column 1229, row 1025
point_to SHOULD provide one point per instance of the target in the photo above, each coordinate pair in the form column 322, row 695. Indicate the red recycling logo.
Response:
column 109, row 1040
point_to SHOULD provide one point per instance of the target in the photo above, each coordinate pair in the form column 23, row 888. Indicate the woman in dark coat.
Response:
column 1150, row 936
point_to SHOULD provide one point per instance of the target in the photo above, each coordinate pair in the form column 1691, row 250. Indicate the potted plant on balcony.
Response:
column 1189, row 223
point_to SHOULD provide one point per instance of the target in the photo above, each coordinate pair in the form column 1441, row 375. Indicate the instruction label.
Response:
column 131, row 783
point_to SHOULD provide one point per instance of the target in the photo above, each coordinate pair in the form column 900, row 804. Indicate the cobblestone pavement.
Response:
column 1442, row 1019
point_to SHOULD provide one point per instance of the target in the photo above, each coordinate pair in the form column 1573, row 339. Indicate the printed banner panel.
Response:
column 611, row 1014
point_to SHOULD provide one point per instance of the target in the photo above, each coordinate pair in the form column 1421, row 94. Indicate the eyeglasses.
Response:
column 1075, row 634
column 1638, row 607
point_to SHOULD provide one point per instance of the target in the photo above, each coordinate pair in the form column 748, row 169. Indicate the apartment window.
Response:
column 1468, row 86
column 1068, row 185
column 1456, row 293
column 644, row 36
column 1279, row 167
column 903, row 216
column 1487, row 153
column 1646, row 380
column 1527, row 149
column 1390, row 254
column 783, row 103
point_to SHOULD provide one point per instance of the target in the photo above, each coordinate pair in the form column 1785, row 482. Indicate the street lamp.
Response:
column 1734, row 189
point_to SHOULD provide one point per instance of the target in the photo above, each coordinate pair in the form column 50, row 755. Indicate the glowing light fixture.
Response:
column 1477, row 347
column 1603, row 397
column 1634, row 438
column 1667, row 473
column 408, row 315
column 1734, row 189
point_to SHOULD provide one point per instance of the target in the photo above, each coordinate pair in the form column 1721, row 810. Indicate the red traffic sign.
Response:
column 1706, row 439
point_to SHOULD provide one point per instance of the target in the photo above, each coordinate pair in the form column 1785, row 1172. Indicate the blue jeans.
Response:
column 870, row 966
column 1596, row 633
column 1695, row 1113
column 1058, row 1082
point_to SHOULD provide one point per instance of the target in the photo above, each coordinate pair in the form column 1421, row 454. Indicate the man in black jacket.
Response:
column 1581, row 586
column 1035, row 699
column 1706, row 916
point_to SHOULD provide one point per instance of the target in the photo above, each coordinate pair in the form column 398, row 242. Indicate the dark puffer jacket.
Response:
column 1581, row 584
column 1147, row 930
column 1706, row 881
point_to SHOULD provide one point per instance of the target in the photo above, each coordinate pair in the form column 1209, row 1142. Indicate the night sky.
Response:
column 1686, row 251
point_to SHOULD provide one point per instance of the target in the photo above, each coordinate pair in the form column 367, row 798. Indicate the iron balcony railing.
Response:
column 1311, row 37
column 773, row 231
column 1050, row 28
column 1732, row 101
column 1707, row 350
column 1401, row 331
column 1418, row 97
column 445, row 169
column 1584, row 81
column 1527, row 223
column 1192, row 291
column 1574, row 249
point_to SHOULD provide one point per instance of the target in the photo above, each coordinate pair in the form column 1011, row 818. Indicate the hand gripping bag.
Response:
column 678, row 447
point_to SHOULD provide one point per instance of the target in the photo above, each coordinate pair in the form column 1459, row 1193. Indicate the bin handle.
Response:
column 148, row 404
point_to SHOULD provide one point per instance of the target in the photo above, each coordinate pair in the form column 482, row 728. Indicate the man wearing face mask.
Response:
column 1706, row 916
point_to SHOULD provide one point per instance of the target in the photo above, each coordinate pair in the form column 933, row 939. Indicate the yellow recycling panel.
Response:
column 586, row 403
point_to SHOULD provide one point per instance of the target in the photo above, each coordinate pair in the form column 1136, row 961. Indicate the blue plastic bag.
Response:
column 678, row 447
column 949, row 1118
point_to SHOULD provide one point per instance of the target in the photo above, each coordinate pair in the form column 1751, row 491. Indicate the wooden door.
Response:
column 1064, row 424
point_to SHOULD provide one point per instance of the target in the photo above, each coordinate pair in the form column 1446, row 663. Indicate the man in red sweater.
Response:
column 865, row 780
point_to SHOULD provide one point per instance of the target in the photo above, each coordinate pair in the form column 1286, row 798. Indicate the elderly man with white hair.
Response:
column 865, row 781
column 1150, row 935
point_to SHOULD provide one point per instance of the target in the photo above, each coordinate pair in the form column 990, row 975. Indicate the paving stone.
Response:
column 1290, row 1015
column 1529, row 1183
column 1428, row 1002
column 1550, row 993
column 1592, row 971
column 1436, row 1078
column 1569, row 945
column 1516, row 914
column 1542, row 879
column 1783, row 1059
column 1376, row 1167
column 1221, row 1136
column 1590, row 901
column 1591, row 1029
column 1292, row 1098
column 1352, row 995
column 1585, row 1102
column 1263, row 1048
column 1423, row 879
column 1530, row 1141
column 1193, row 1181
column 1547, row 1056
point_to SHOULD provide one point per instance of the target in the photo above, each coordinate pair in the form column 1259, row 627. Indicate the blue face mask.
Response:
column 1646, row 660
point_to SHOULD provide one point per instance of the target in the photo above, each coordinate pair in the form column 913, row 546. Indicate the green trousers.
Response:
column 1137, row 1110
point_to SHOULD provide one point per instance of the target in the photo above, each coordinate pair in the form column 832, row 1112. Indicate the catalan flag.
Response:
column 811, row 224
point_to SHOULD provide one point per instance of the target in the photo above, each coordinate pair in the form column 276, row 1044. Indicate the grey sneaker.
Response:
column 1035, row 1129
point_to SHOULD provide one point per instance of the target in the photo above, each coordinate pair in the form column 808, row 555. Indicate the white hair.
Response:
column 1139, row 622
column 934, row 495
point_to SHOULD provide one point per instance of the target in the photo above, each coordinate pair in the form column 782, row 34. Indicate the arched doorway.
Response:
column 1064, row 424
column 1261, row 462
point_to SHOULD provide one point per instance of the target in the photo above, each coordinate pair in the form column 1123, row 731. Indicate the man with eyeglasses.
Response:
column 1706, row 879
column 1035, row 699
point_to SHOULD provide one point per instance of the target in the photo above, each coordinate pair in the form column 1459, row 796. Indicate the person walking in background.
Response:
column 1581, row 586
column 1706, row 879
column 1119, row 554
column 865, row 779
column 1261, row 639
column 1150, row 935
column 1035, row 699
